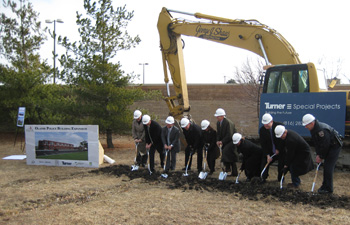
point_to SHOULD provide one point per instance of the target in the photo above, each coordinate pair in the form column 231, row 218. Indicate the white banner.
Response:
column 63, row 145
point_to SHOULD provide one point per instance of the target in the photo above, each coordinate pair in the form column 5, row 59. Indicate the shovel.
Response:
column 237, row 178
column 313, row 184
column 262, row 172
column 148, row 164
column 135, row 166
column 282, row 179
column 166, row 158
column 222, row 175
column 202, row 175
column 188, row 163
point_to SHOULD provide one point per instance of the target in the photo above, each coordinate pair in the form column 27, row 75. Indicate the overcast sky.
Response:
column 315, row 28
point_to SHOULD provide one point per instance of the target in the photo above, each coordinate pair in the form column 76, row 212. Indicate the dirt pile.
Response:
column 252, row 190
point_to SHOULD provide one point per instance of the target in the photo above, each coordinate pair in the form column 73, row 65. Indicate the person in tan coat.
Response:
column 138, row 134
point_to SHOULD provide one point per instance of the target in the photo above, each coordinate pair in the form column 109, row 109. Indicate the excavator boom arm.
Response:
column 246, row 34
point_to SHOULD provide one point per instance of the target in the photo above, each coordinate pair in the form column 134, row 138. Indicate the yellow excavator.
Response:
column 284, row 71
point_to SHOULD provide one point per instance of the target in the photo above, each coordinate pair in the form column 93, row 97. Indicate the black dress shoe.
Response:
column 323, row 191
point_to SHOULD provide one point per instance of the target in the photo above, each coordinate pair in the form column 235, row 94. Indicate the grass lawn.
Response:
column 67, row 156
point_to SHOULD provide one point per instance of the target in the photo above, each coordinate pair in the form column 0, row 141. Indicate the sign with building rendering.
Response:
column 63, row 145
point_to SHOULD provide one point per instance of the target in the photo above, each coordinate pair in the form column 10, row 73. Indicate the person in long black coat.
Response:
column 153, row 132
column 271, row 146
column 225, row 130
column 209, row 139
column 252, row 155
column 193, row 136
column 298, row 159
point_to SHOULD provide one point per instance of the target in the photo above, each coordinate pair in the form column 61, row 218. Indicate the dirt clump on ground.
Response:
column 113, row 194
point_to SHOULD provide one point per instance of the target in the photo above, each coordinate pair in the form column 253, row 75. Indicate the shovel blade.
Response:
column 164, row 175
column 134, row 167
column 222, row 176
column 185, row 174
column 202, row 175
column 281, row 183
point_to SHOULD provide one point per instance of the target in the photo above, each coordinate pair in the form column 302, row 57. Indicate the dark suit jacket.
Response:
column 252, row 154
column 225, row 130
column 265, row 139
column 298, row 154
column 174, row 138
column 153, row 135
column 193, row 137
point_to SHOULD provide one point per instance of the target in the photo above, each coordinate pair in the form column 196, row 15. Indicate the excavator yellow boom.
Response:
column 246, row 34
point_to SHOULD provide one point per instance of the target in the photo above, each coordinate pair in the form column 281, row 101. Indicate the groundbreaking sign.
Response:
column 63, row 145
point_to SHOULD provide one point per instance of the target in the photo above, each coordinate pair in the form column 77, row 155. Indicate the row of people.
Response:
column 276, row 144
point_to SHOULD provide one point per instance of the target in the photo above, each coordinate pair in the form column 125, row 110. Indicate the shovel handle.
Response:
column 314, row 182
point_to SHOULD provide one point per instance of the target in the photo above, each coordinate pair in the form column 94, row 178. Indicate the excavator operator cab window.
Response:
column 287, row 79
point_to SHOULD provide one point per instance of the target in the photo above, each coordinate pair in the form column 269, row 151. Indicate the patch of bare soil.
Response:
column 252, row 190
column 113, row 194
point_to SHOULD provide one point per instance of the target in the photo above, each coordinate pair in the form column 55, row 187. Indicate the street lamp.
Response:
column 143, row 65
column 54, row 45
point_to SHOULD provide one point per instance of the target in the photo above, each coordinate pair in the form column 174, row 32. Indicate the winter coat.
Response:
column 225, row 130
column 265, row 139
column 209, row 139
column 252, row 155
column 325, row 139
column 193, row 137
column 153, row 134
column 298, row 153
column 138, row 132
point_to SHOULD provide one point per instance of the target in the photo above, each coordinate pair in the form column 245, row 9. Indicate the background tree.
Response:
column 331, row 69
column 23, row 72
column 100, row 84
column 249, row 75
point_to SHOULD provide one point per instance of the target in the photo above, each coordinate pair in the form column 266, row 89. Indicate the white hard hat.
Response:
column 266, row 118
column 220, row 112
column 170, row 120
column 279, row 130
column 236, row 138
column 146, row 119
column 205, row 124
column 137, row 114
column 184, row 122
column 308, row 118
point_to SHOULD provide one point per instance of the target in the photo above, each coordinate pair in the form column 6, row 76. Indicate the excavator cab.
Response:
column 287, row 79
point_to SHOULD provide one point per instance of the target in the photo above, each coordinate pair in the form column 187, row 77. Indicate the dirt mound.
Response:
column 252, row 191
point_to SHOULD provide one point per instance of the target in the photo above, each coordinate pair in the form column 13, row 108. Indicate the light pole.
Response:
column 54, row 45
column 143, row 65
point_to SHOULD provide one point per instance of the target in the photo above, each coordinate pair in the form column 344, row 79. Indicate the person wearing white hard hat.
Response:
column 193, row 136
column 298, row 159
column 252, row 155
column 328, row 145
column 225, row 130
column 209, row 139
column 153, row 132
column 171, row 142
column 138, row 134
column 272, row 150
